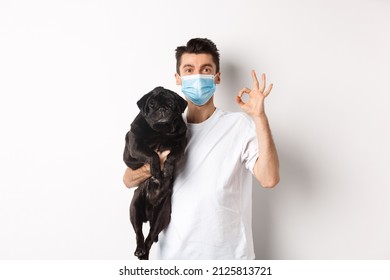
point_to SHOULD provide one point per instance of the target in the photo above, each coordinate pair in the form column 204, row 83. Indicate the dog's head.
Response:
column 161, row 107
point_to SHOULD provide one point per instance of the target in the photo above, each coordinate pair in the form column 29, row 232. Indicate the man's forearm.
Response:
column 133, row 178
column 266, row 169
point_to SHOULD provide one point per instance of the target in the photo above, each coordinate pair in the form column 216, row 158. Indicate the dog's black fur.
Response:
column 158, row 127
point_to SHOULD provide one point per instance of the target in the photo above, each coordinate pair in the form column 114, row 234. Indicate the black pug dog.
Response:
column 158, row 127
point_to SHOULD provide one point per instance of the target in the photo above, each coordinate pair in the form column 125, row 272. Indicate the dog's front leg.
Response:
column 145, row 154
column 176, row 153
column 169, row 166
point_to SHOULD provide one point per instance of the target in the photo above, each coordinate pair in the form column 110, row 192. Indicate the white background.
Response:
column 72, row 71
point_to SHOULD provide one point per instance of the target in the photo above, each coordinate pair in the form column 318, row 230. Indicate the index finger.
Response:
column 255, row 81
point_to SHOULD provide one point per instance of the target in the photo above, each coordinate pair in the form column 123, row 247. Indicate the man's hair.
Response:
column 197, row 46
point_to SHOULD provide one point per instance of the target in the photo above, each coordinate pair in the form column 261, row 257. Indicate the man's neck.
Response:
column 196, row 114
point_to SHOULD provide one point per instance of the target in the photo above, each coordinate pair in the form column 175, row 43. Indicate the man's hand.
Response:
column 133, row 178
column 255, row 105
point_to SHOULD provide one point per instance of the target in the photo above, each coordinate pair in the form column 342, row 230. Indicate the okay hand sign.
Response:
column 255, row 105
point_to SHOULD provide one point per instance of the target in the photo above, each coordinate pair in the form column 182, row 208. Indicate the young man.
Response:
column 212, row 195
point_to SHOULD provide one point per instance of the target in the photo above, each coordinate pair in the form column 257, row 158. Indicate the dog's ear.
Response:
column 142, row 103
column 182, row 103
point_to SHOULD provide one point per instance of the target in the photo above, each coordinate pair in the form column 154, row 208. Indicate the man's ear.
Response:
column 178, row 79
column 218, row 78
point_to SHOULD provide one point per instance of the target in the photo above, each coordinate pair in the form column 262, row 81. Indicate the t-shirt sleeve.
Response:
column 250, row 151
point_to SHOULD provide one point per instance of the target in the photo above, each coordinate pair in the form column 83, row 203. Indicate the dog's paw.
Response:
column 155, row 181
column 156, row 174
column 140, row 252
column 144, row 257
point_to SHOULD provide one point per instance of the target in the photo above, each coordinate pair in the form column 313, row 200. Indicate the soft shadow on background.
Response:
column 295, row 175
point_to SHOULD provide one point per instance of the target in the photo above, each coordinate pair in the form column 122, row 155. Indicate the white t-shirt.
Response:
column 212, row 195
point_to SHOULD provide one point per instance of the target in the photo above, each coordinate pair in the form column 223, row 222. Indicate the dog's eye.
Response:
column 170, row 103
column 152, row 104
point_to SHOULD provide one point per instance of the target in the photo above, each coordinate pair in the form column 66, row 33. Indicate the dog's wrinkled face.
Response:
column 160, row 108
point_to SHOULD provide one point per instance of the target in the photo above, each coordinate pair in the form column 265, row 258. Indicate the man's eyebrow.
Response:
column 202, row 66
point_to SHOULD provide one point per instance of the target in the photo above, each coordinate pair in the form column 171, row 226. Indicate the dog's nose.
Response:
column 162, row 112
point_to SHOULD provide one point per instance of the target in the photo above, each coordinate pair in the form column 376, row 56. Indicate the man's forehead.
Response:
column 197, row 60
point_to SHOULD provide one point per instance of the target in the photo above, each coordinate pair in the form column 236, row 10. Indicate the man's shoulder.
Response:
column 236, row 117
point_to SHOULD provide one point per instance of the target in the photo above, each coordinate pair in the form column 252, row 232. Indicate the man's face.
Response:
column 192, row 64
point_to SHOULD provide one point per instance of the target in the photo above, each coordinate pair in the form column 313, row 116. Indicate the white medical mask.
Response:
column 198, row 88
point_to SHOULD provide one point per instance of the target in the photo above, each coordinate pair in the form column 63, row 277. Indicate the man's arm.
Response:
column 266, row 169
column 133, row 178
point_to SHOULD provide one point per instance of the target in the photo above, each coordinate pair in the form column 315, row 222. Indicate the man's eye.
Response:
column 188, row 70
